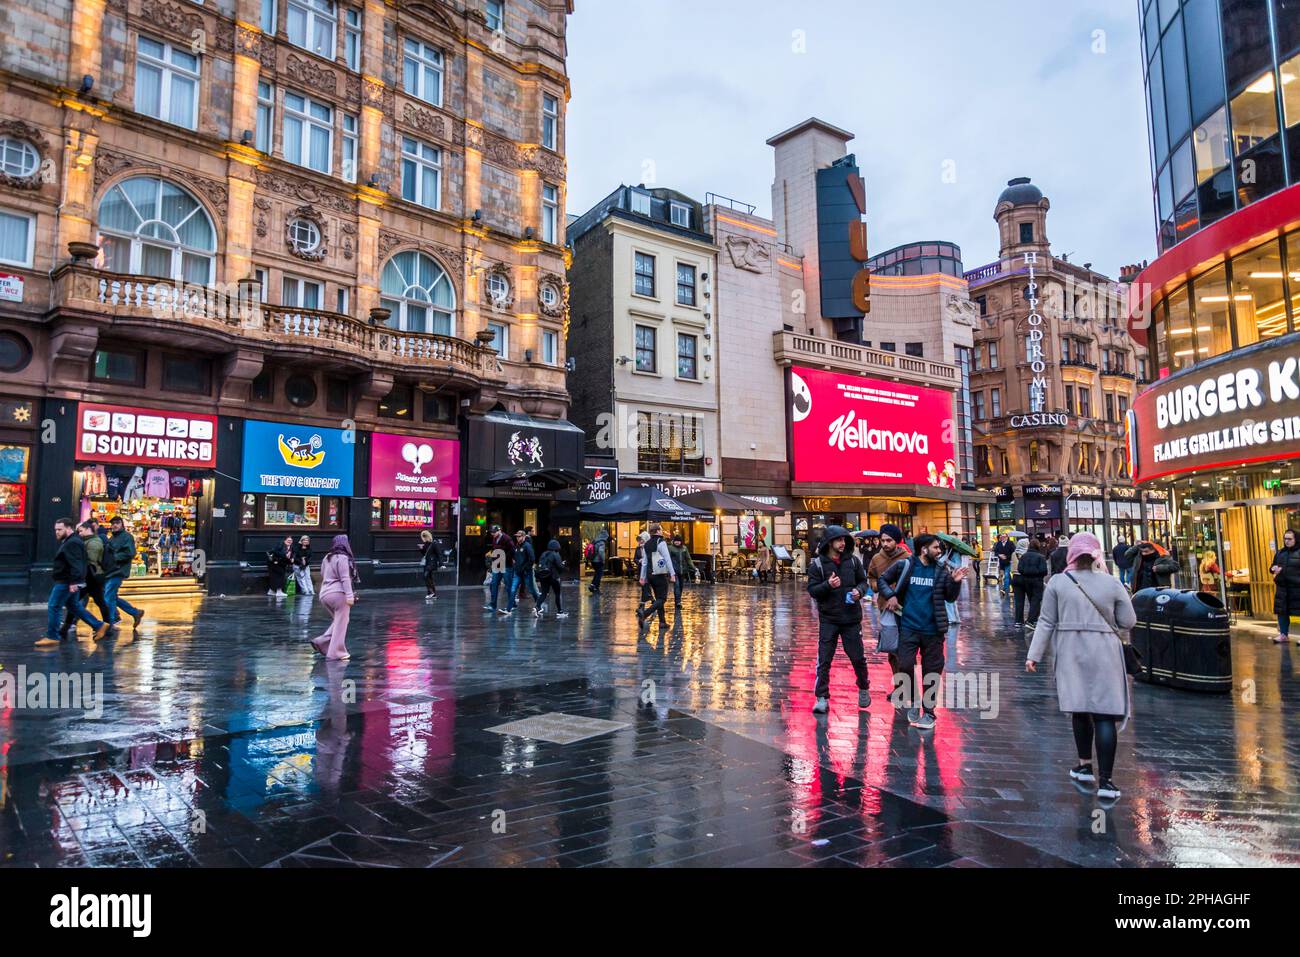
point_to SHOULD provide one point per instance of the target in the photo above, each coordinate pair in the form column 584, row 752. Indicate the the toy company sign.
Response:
column 1243, row 409
column 414, row 468
column 860, row 431
column 118, row 434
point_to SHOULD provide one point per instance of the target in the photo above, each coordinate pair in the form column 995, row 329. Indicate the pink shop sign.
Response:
column 404, row 466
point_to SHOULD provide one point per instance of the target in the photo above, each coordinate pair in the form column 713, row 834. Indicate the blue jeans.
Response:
column 1126, row 575
column 63, row 598
column 114, row 602
column 527, row 580
column 1006, row 577
column 497, row 577
column 1284, row 625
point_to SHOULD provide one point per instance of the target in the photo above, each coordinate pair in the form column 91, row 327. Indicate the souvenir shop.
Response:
column 153, row 469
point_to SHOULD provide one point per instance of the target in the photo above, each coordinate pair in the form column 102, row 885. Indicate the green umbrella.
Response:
column 956, row 544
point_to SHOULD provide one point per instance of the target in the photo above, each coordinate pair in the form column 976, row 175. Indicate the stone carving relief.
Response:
column 424, row 121
column 543, row 161
column 303, row 192
column 263, row 207
column 555, row 310
column 748, row 254
column 171, row 16
column 349, row 242
column 311, row 74
column 30, row 134
column 352, row 89
column 504, row 303
column 961, row 310
column 312, row 215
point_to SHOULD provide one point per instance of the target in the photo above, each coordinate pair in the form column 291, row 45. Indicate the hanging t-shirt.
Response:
column 13, row 461
column 157, row 484
column 96, row 482
column 918, row 600
column 180, row 484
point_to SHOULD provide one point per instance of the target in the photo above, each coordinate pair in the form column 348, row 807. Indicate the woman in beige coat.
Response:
column 1082, row 612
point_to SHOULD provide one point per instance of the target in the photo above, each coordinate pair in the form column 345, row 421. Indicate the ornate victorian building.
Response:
column 1053, row 375
column 327, row 214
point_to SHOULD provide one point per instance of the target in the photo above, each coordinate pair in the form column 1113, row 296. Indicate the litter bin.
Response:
column 1184, row 640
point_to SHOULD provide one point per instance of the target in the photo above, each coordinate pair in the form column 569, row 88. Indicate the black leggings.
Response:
column 430, row 588
column 1102, row 726
column 549, row 586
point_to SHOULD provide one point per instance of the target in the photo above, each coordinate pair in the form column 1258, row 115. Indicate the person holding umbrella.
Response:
column 1005, row 550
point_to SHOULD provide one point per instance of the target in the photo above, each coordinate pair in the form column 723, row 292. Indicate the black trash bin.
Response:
column 1183, row 639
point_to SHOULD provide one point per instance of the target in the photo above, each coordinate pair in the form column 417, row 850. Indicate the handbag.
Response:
column 887, row 642
column 1132, row 657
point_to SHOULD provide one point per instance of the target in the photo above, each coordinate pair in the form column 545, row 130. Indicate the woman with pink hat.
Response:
column 1084, row 612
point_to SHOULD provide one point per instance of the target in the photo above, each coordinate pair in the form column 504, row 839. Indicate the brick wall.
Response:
column 591, row 330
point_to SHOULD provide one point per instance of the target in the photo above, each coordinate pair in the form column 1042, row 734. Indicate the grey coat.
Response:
column 1088, row 660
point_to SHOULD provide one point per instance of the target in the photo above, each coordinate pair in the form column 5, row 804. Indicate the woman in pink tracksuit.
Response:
column 338, row 571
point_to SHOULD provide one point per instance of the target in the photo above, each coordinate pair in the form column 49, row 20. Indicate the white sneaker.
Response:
column 281, row 594
column 538, row 612
column 561, row 614
column 270, row 594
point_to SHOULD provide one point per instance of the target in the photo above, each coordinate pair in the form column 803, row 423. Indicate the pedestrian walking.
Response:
column 657, row 574
column 1029, row 581
column 837, row 581
column 119, row 557
column 302, row 566
column 94, row 589
column 891, row 549
column 501, row 561
column 1119, row 555
column 599, row 555
column 1152, row 567
column 638, row 559
column 550, row 575
column 431, row 559
column 1060, row 556
column 338, row 573
column 1005, row 550
column 279, row 562
column 683, row 567
column 1085, row 612
column 918, row 592
column 1286, row 577
column 68, row 571
column 524, row 578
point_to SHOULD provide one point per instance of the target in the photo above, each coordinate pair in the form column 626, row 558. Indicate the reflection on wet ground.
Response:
column 225, row 742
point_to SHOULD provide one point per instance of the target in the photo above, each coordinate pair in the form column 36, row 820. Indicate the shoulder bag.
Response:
column 1132, row 658
column 889, row 621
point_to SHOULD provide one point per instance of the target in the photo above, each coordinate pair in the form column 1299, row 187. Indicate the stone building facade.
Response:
column 1053, row 375
column 341, row 214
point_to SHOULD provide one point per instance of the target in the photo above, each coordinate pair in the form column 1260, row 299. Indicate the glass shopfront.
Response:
column 296, row 477
column 153, row 469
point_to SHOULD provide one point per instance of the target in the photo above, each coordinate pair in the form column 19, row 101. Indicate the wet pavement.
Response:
column 452, row 738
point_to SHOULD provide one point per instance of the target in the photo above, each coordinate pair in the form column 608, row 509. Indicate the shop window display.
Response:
column 290, row 511
column 14, row 461
column 158, row 506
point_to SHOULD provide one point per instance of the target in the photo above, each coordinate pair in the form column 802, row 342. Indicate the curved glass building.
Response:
column 1220, row 426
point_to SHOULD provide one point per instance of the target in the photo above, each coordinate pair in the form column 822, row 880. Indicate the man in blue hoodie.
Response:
column 838, row 582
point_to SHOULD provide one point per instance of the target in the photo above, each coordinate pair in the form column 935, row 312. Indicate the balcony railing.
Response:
column 983, row 272
column 790, row 348
column 236, row 311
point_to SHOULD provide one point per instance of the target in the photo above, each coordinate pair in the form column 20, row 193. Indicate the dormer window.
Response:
column 681, row 215
column 640, row 203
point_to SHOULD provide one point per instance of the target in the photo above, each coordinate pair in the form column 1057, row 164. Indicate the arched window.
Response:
column 149, row 227
column 419, row 293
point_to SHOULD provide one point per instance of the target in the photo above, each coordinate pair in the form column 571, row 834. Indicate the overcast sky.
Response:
column 686, row 92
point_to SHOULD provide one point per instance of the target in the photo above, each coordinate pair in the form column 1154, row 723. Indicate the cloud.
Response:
column 689, row 90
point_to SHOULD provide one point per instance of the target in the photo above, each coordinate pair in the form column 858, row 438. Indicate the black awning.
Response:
column 550, row 479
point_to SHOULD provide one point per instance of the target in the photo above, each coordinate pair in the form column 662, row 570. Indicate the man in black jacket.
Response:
column 525, row 562
column 1060, row 556
column 121, row 545
column 838, row 582
column 1005, row 550
column 501, row 561
column 69, row 573
column 1150, row 568
column 920, row 598
column 1029, row 581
